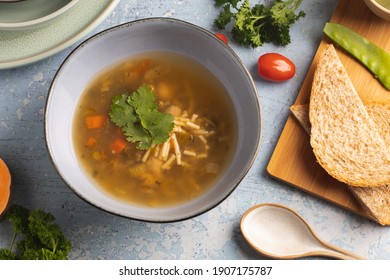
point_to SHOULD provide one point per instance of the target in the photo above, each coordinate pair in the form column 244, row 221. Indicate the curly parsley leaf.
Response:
column 41, row 225
column 42, row 238
column 138, row 116
column 224, row 17
column 7, row 254
column 18, row 216
column 259, row 24
column 224, row 2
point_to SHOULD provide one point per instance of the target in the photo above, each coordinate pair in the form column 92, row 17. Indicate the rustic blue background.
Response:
column 214, row 235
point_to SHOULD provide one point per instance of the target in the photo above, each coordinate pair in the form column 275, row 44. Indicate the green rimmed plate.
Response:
column 20, row 15
column 21, row 47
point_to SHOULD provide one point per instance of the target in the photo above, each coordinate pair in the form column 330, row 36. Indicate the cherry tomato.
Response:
column 275, row 67
column 222, row 37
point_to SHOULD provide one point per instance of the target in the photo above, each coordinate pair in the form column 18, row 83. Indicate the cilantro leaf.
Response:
column 135, row 133
column 158, row 124
column 124, row 116
column 121, row 113
column 143, row 99
column 138, row 116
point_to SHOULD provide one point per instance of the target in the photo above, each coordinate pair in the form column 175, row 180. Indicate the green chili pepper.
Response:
column 370, row 55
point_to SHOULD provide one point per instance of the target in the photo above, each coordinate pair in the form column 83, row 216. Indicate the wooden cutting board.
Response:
column 293, row 160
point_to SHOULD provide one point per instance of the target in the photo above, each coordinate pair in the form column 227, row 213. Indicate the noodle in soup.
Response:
column 199, row 147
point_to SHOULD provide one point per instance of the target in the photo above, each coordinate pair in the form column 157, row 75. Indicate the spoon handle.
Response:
column 339, row 253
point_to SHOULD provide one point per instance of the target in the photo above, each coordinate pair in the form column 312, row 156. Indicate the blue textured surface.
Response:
column 214, row 235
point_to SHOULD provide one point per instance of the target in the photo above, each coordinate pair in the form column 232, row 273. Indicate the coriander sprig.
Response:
column 138, row 115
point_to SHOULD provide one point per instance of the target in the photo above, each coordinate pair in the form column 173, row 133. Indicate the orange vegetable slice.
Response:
column 118, row 145
column 95, row 122
column 5, row 187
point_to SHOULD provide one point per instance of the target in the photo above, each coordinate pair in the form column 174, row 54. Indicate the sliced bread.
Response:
column 378, row 112
column 375, row 200
column 301, row 114
column 345, row 140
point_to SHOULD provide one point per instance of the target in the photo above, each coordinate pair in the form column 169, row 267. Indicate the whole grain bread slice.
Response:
column 345, row 140
column 376, row 200
column 301, row 114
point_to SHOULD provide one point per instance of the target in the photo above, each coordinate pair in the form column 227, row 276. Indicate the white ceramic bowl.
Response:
column 20, row 15
column 118, row 43
column 378, row 9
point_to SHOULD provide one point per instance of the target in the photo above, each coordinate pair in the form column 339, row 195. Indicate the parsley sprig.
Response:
column 259, row 24
column 41, row 238
column 138, row 115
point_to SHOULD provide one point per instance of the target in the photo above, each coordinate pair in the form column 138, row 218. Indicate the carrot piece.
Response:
column 94, row 122
column 118, row 145
column 91, row 141
column 5, row 187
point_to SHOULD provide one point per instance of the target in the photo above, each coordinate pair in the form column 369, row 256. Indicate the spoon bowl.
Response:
column 279, row 232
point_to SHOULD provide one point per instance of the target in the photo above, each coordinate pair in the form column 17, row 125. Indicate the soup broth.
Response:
column 384, row 3
column 200, row 146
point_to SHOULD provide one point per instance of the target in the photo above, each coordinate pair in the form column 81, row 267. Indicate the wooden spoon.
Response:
column 281, row 233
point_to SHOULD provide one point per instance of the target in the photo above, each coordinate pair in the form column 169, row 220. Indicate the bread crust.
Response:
column 345, row 140
column 375, row 200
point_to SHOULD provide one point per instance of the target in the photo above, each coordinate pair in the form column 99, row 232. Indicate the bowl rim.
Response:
column 242, row 175
column 378, row 5
column 378, row 9
column 39, row 20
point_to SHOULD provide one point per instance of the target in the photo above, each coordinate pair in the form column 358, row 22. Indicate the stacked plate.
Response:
column 31, row 30
column 29, row 13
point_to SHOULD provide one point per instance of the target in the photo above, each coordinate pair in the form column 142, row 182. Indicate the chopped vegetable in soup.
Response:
column 155, row 130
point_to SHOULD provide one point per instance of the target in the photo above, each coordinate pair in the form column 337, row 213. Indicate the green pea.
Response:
column 370, row 55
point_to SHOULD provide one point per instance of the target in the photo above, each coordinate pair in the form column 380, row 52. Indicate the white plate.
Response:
column 32, row 13
column 20, row 47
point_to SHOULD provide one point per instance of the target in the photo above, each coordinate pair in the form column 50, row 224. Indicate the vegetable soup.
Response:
column 384, row 3
column 155, row 130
